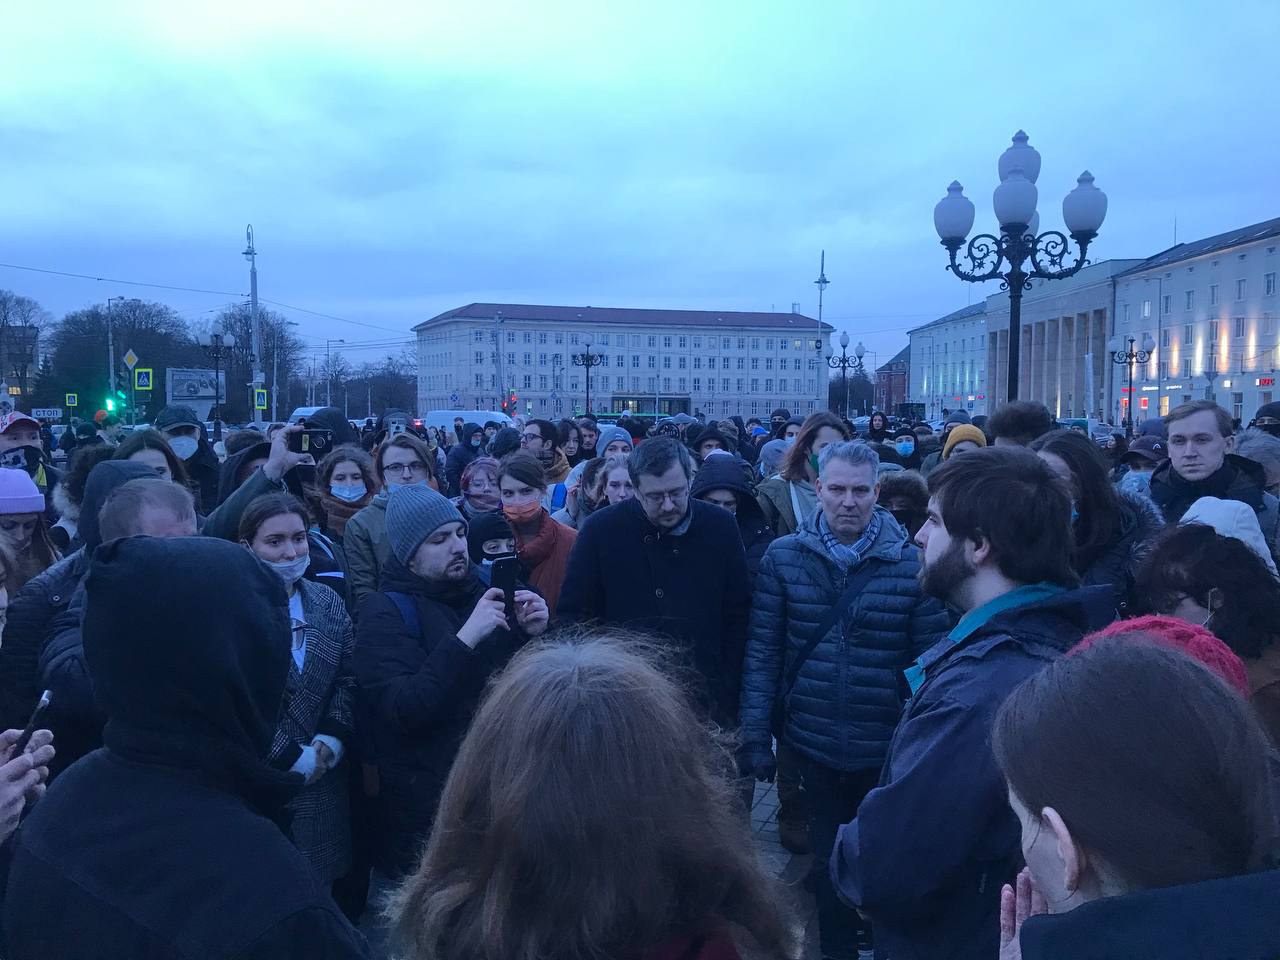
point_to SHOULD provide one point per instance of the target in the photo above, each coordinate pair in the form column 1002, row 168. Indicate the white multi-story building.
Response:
column 1210, row 307
column 716, row 362
column 948, row 362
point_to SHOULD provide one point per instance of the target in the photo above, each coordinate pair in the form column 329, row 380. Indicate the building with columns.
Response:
column 715, row 362
column 1210, row 307
column 947, row 362
column 1066, row 326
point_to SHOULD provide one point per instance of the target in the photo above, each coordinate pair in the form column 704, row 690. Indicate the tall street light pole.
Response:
column 255, row 322
column 328, row 369
column 1131, row 357
column 111, row 346
column 1005, row 257
column 821, row 283
column 588, row 359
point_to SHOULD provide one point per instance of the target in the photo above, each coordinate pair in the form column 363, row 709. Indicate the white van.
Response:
column 443, row 419
column 302, row 413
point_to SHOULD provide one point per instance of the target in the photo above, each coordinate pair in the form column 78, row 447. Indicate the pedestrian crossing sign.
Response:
column 142, row 378
column 259, row 399
column 73, row 400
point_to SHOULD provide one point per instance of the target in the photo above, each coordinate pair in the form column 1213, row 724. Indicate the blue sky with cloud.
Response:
column 398, row 159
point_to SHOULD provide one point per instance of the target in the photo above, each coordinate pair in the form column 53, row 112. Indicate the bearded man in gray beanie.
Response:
column 427, row 643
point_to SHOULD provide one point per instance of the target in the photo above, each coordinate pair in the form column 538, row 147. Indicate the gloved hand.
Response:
column 757, row 762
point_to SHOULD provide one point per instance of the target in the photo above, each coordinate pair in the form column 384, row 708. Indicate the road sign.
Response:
column 47, row 413
column 453, row 399
column 259, row 399
column 130, row 359
column 73, row 400
column 142, row 378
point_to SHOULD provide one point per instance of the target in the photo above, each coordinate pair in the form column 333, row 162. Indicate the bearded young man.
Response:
column 930, row 848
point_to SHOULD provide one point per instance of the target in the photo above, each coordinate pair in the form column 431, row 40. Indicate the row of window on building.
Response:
column 1189, row 299
column 653, row 341
column 483, row 358
column 647, row 384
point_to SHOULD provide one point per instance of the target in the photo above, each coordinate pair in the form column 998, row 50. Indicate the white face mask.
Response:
column 290, row 571
column 184, row 447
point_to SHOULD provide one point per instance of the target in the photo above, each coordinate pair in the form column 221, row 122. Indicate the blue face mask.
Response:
column 475, row 442
column 348, row 492
column 1075, row 514
column 905, row 448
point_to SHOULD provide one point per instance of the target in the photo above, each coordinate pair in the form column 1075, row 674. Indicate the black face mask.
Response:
column 911, row 520
column 22, row 458
column 1271, row 428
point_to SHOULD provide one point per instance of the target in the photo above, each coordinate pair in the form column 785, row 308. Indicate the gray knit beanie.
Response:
column 413, row 514
column 608, row 434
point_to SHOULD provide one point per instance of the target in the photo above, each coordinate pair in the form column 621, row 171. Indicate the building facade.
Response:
column 671, row 361
column 947, row 362
column 1211, row 308
column 892, row 382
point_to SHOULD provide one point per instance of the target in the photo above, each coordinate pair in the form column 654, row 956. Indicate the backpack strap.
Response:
column 408, row 610
column 559, row 494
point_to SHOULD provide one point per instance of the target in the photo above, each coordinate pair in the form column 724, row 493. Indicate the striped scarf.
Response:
column 849, row 555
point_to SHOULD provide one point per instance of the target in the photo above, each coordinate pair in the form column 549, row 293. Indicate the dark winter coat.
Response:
column 723, row 473
column 931, row 846
column 203, row 470
column 691, row 590
column 421, row 686
column 1233, row 917
column 848, row 695
column 1117, row 565
column 167, row 843
column 457, row 459
column 33, row 609
column 1237, row 479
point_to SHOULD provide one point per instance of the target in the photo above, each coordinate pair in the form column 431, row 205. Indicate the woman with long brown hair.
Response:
column 789, row 498
column 589, row 816
column 1144, row 787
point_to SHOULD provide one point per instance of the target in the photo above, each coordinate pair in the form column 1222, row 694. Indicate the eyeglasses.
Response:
column 526, row 437
column 659, row 497
column 412, row 467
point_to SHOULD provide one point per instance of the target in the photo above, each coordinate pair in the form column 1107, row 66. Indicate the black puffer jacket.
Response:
column 421, row 685
column 167, row 844
column 724, row 473
column 1117, row 565
column 461, row 455
column 848, row 695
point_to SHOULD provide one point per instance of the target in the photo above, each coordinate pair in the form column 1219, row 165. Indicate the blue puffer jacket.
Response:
column 849, row 694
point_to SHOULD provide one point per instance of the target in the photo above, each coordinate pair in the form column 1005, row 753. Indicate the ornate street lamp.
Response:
column 1131, row 357
column 843, row 363
column 588, row 359
column 1005, row 257
column 220, row 346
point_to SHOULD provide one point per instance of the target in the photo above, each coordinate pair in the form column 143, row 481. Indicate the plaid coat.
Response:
column 320, row 699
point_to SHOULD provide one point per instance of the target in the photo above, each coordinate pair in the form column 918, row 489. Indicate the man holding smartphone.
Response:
column 426, row 645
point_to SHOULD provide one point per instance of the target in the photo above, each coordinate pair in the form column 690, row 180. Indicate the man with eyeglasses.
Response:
column 542, row 439
column 671, row 566
column 401, row 461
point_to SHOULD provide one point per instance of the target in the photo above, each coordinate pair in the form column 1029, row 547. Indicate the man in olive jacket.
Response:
column 840, row 715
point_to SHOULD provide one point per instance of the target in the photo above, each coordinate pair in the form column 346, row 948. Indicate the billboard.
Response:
column 194, row 389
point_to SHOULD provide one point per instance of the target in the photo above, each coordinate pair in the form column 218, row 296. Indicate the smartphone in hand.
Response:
column 505, row 572
column 41, row 706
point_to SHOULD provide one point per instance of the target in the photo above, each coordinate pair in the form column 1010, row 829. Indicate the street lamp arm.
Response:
column 1051, row 247
column 985, row 254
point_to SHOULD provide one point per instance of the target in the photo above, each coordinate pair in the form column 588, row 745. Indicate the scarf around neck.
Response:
column 849, row 555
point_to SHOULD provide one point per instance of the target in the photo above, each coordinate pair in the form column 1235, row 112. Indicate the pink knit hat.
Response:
column 1195, row 641
column 19, row 493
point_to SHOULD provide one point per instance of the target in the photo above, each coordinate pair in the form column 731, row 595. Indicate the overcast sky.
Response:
column 400, row 159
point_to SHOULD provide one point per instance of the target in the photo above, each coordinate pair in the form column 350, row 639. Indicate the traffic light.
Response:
column 111, row 404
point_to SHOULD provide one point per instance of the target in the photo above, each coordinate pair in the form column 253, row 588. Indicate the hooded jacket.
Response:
column 690, row 590
column 1232, row 917
column 1237, row 479
column 723, row 473
column 183, row 854
column 421, row 686
column 1117, row 565
column 848, row 695
column 32, row 610
column 927, row 854
column 458, row 458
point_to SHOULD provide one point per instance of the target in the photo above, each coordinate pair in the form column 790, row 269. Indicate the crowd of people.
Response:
column 508, row 690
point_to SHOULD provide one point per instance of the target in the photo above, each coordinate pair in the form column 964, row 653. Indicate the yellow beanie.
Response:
column 959, row 433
